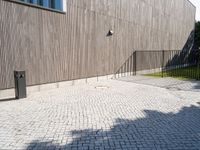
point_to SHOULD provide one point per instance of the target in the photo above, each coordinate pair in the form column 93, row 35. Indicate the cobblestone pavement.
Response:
column 107, row 115
column 169, row 83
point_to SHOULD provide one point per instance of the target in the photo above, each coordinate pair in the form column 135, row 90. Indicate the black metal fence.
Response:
column 129, row 67
column 162, row 63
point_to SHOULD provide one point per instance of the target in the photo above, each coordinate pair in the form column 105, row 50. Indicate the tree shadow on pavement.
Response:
column 157, row 130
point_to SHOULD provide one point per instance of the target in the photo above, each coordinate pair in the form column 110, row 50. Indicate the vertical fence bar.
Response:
column 170, row 64
column 132, row 67
column 135, row 63
column 192, row 69
column 132, row 63
column 179, row 63
column 163, row 57
column 176, row 63
column 198, row 65
column 129, row 66
column 198, row 73
column 186, row 66
column 173, row 62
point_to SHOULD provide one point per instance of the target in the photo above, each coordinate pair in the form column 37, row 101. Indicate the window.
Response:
column 58, row 5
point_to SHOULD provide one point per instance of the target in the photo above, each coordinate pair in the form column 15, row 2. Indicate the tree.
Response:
column 197, row 34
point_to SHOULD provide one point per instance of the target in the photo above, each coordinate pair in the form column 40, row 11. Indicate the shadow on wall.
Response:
column 188, row 54
column 156, row 131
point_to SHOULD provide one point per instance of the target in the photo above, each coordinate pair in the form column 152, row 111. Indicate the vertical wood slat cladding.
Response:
column 55, row 47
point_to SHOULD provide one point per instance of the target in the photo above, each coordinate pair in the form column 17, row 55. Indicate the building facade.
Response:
column 71, row 41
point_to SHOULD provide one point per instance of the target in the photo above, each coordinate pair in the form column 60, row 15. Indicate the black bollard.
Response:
column 20, row 84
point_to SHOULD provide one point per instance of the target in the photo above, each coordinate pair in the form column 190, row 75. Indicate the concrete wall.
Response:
column 53, row 47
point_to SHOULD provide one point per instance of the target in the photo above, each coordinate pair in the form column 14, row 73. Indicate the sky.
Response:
column 197, row 4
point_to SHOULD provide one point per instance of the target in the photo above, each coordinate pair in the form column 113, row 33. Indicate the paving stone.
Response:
column 126, row 115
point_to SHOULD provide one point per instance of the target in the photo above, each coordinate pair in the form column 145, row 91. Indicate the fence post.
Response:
column 163, row 57
column 198, row 66
column 198, row 73
column 135, row 62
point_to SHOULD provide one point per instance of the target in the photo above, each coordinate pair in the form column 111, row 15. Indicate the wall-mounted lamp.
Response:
column 110, row 33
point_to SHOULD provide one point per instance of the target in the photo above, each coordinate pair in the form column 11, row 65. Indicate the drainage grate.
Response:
column 102, row 87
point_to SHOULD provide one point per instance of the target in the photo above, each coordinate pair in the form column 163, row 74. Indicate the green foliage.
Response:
column 197, row 34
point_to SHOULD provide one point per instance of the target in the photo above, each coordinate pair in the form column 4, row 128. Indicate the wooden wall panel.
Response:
column 54, row 47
